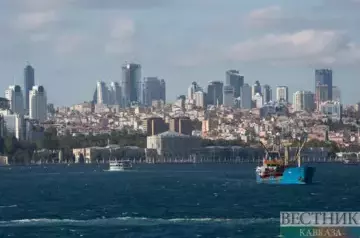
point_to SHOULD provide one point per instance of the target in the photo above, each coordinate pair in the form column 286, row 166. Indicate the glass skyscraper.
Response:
column 324, row 77
column 131, row 84
column 234, row 79
column 29, row 82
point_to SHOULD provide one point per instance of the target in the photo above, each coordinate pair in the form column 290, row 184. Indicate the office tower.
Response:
column 102, row 93
column 282, row 93
column 246, row 97
column 303, row 101
column 258, row 99
column 29, row 82
column 336, row 94
column 234, row 79
column 38, row 103
column 115, row 97
column 323, row 77
column 16, row 99
column 215, row 93
column 228, row 93
column 200, row 99
column 152, row 89
column 193, row 88
column 163, row 90
column 266, row 93
column 256, row 88
column 131, row 84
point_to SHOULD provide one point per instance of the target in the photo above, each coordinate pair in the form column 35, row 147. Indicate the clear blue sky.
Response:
column 74, row 43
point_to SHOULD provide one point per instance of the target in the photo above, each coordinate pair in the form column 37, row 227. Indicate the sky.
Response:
column 74, row 43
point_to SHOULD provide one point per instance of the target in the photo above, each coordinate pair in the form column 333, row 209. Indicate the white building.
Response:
column 200, row 99
column 38, row 103
column 258, row 99
column 246, row 99
column 14, row 124
column 332, row 109
column 303, row 101
column 282, row 93
column 228, row 96
column 16, row 100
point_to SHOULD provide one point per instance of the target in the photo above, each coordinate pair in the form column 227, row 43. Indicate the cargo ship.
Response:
column 279, row 170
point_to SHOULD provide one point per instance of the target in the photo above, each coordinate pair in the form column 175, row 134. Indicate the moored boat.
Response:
column 118, row 165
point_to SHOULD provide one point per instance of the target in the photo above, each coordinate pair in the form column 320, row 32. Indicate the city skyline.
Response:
column 61, row 46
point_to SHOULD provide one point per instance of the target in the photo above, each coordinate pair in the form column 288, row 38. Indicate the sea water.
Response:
column 162, row 200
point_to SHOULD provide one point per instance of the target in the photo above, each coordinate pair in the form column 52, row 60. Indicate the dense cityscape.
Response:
column 133, row 118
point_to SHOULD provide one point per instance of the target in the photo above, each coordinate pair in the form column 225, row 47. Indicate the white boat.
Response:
column 119, row 165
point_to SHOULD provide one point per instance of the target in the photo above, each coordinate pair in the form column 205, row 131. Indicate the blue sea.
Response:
column 162, row 200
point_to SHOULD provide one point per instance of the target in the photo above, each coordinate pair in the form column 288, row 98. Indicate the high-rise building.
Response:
column 154, row 126
column 303, row 101
column 163, row 90
column 115, row 96
column 29, row 82
column 38, row 103
column 324, row 77
column 215, row 93
column 152, row 89
column 256, row 88
column 200, row 99
column 246, row 97
column 16, row 99
column 193, row 88
column 282, row 93
column 102, row 93
column 229, row 93
column 258, row 100
column 131, row 83
column 266, row 93
column 236, row 80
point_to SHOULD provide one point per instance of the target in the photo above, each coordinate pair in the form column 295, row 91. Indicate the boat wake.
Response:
column 134, row 221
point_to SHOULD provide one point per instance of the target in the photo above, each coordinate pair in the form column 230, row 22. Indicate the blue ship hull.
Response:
column 291, row 175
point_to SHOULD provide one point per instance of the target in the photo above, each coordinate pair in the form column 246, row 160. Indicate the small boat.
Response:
column 350, row 162
column 118, row 165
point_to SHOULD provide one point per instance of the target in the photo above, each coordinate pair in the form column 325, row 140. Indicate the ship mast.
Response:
column 302, row 140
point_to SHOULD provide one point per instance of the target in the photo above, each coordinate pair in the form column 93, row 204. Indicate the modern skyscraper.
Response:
column 259, row 100
column 215, row 93
column 131, row 83
column 234, row 79
column 200, row 99
column 324, row 77
column 266, row 93
column 228, row 93
column 163, row 90
column 246, row 97
column 16, row 99
column 193, row 88
column 152, row 89
column 282, row 93
column 29, row 82
column 102, row 93
column 115, row 96
column 38, row 103
column 256, row 88
column 303, row 101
